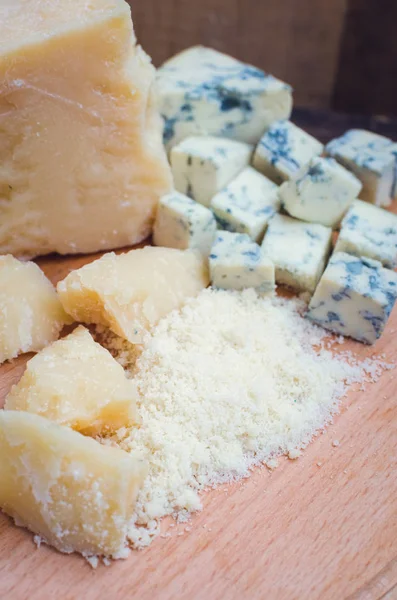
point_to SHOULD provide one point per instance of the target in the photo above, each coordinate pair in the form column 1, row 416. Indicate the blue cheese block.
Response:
column 298, row 250
column 236, row 263
column 369, row 231
column 372, row 158
column 182, row 223
column 283, row 150
column 204, row 92
column 355, row 297
column 246, row 204
column 202, row 166
column 321, row 193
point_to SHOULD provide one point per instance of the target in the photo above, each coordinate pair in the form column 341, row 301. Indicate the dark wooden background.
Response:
column 337, row 54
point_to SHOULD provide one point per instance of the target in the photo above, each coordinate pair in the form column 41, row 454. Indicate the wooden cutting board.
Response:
column 320, row 527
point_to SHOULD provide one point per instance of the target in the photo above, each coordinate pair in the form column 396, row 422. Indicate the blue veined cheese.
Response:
column 372, row 158
column 370, row 231
column 236, row 263
column 182, row 223
column 355, row 297
column 204, row 92
column 321, row 192
column 298, row 250
column 202, row 166
column 246, row 204
column 283, row 150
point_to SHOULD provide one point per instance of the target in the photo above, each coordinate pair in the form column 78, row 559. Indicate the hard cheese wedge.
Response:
column 31, row 315
column 81, row 159
column 77, row 494
column 131, row 292
column 78, row 383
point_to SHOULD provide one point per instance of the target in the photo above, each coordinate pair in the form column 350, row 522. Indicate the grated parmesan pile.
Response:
column 230, row 381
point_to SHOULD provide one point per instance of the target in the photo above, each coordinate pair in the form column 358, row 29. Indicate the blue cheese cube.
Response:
column 369, row 231
column 355, row 297
column 246, row 204
column 298, row 250
column 204, row 92
column 321, row 193
column 236, row 263
column 372, row 158
column 283, row 150
column 202, row 166
column 182, row 223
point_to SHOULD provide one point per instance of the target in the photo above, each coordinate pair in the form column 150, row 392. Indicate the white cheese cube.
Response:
column 369, row 231
column 204, row 92
column 355, row 297
column 246, row 204
column 372, row 158
column 283, row 150
column 182, row 223
column 236, row 262
column 298, row 250
column 321, row 192
column 202, row 166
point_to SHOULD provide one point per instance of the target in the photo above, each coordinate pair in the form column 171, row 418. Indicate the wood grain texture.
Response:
column 323, row 527
column 296, row 41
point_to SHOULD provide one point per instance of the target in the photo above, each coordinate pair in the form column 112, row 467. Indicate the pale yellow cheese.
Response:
column 31, row 315
column 131, row 292
column 82, row 164
column 78, row 383
column 77, row 494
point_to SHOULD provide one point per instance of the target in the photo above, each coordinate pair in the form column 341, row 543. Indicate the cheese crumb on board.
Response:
column 283, row 150
column 130, row 292
column 373, row 160
column 31, row 315
column 81, row 154
column 218, row 396
column 202, row 166
column 321, row 192
column 73, row 492
column 370, row 231
column 76, row 382
column 204, row 92
column 183, row 223
column 247, row 204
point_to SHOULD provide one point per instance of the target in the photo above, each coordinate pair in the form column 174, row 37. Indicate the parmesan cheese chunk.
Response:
column 82, row 165
column 78, row 383
column 75, row 493
column 31, row 315
column 131, row 292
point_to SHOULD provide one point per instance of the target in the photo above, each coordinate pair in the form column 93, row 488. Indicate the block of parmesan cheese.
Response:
column 76, row 382
column 81, row 159
column 31, row 315
column 131, row 292
column 75, row 493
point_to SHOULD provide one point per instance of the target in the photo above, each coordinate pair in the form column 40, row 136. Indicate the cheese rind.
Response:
column 320, row 193
column 82, row 165
column 355, row 297
column 371, row 232
column 204, row 92
column 183, row 223
column 373, row 160
column 75, row 493
column 298, row 250
column 131, row 292
column 202, row 166
column 283, row 150
column 76, row 382
column 236, row 263
column 31, row 315
column 246, row 204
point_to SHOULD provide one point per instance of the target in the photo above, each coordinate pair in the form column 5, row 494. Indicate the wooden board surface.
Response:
column 321, row 527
